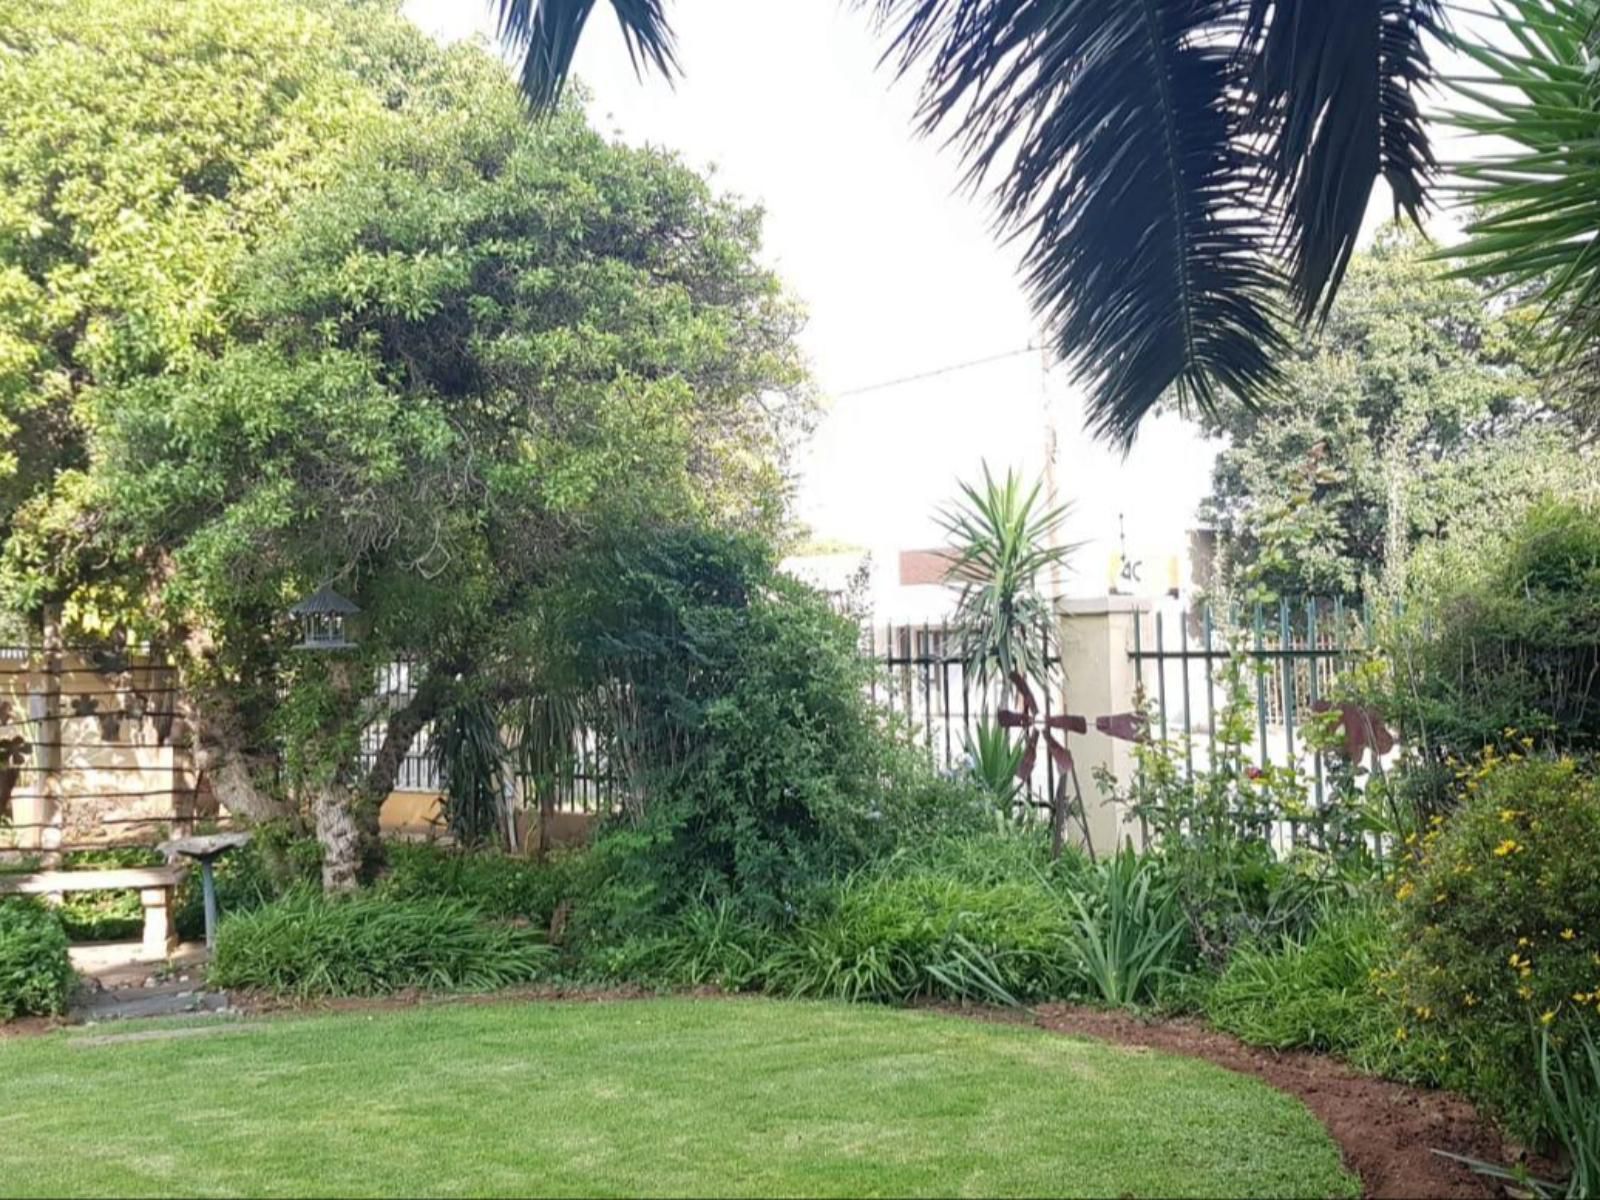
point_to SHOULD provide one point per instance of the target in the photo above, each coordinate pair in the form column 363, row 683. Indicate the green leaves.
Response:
column 1169, row 167
column 1539, row 229
column 1002, row 540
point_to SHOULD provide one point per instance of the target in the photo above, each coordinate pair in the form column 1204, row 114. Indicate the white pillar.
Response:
column 1096, row 649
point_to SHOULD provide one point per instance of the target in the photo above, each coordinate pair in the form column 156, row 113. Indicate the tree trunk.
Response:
column 340, row 834
column 235, row 774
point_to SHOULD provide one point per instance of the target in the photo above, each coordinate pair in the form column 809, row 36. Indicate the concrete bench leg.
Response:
column 160, row 933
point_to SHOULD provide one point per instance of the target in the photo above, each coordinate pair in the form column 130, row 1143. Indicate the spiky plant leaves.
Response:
column 1002, row 540
column 1334, row 91
column 546, row 33
column 1539, row 228
column 1114, row 135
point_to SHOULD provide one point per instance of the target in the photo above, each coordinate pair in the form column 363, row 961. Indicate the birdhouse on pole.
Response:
column 324, row 620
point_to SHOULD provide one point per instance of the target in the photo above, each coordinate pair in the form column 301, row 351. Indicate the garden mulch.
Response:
column 1388, row 1132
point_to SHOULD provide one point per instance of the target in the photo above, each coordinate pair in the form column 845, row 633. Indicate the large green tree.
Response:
column 145, row 147
column 1415, row 412
column 478, row 340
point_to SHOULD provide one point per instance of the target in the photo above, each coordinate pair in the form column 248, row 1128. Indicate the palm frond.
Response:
column 1334, row 92
column 470, row 756
column 545, row 34
column 1539, row 231
column 1115, row 134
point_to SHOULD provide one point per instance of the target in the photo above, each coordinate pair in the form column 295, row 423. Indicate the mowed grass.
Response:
column 660, row 1097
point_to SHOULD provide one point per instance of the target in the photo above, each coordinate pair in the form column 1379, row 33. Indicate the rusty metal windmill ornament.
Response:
column 1361, row 728
column 1054, row 730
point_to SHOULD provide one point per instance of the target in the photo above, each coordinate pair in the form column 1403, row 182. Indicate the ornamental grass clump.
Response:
column 1500, row 924
column 310, row 945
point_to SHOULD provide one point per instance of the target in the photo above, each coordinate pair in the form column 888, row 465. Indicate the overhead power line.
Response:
column 936, row 371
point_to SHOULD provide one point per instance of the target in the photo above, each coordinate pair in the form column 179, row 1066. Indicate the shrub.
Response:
column 894, row 937
column 1215, row 832
column 757, row 766
column 35, row 974
column 1500, row 926
column 502, row 886
column 1507, row 638
column 699, row 945
column 309, row 945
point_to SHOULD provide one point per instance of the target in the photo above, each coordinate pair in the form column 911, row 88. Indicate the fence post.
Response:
column 1096, row 642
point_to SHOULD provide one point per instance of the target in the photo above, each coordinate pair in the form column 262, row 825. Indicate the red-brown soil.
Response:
column 1388, row 1132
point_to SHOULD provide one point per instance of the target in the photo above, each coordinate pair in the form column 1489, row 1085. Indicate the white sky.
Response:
column 899, row 273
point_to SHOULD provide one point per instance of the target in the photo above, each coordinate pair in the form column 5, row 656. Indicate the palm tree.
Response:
column 1172, row 168
column 1179, row 171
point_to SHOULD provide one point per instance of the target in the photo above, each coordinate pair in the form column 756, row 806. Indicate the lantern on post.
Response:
column 324, row 620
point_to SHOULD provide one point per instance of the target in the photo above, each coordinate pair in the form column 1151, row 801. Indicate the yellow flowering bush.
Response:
column 1500, row 926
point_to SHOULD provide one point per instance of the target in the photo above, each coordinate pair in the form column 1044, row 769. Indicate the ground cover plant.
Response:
column 310, row 945
column 35, row 976
column 660, row 1097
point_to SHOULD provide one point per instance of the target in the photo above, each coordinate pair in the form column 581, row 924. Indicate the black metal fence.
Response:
column 924, row 684
column 921, row 682
column 1289, row 657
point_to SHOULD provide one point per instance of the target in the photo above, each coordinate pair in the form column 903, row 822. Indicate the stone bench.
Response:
column 157, row 887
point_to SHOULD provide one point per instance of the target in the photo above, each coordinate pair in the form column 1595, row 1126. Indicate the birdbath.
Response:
column 206, row 850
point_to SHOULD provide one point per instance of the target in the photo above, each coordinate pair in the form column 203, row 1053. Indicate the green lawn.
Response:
column 678, row 1097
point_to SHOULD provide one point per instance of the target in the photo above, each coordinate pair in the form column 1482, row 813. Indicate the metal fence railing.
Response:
column 920, row 681
column 923, row 683
column 1290, row 656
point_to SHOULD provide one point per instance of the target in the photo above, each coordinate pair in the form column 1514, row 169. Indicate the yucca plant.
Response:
column 1002, row 539
column 543, row 732
column 470, row 755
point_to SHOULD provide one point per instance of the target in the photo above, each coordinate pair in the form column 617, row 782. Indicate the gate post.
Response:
column 1096, row 660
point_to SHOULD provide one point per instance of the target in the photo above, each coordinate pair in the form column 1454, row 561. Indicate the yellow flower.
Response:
column 1547, row 1016
column 1507, row 815
column 1400, row 1034
column 1525, row 992
column 1405, row 890
column 1567, row 935
column 1522, row 941
column 1509, row 846
column 1469, row 1000
column 1515, row 960
column 1424, row 1012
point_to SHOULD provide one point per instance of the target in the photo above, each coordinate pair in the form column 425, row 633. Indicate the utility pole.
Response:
column 1052, row 449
